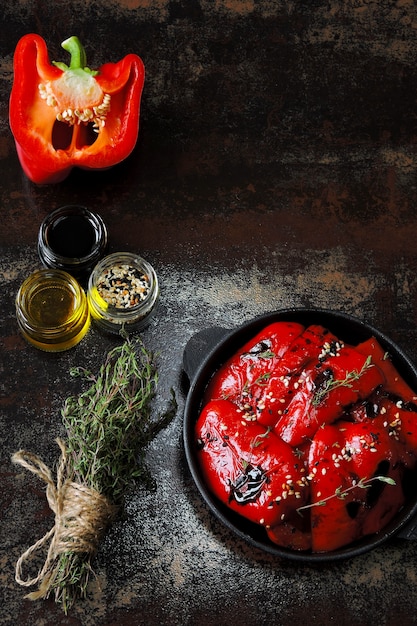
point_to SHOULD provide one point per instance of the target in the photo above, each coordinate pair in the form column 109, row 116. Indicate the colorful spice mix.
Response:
column 123, row 286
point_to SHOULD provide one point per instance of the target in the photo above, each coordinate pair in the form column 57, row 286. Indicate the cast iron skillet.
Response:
column 209, row 349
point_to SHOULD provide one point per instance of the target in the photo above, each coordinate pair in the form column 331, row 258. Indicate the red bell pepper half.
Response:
column 66, row 116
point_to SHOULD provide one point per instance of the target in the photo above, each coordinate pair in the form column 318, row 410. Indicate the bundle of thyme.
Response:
column 107, row 428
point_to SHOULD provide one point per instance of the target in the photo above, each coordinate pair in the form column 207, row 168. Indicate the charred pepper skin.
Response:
column 63, row 116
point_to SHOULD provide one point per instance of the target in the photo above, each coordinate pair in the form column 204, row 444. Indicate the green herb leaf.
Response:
column 341, row 494
column 333, row 383
column 261, row 380
column 256, row 441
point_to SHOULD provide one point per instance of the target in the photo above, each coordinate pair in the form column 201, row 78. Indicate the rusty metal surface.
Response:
column 276, row 167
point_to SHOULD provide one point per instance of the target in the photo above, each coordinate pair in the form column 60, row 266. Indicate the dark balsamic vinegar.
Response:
column 72, row 236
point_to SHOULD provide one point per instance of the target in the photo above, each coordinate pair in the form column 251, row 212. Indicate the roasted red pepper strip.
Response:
column 62, row 117
column 247, row 467
column 402, row 424
column 293, row 534
column 279, row 389
column 394, row 382
column 398, row 417
column 340, row 456
column 260, row 377
column 325, row 390
column 241, row 378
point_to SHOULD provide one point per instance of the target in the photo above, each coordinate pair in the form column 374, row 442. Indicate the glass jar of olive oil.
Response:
column 52, row 310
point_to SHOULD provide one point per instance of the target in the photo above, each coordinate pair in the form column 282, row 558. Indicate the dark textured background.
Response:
column 275, row 167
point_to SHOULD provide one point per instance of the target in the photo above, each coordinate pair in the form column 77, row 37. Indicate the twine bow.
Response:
column 82, row 516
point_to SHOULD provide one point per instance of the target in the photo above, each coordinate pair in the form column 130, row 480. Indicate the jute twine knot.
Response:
column 82, row 516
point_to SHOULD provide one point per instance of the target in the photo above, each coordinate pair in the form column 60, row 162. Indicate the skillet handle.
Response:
column 199, row 346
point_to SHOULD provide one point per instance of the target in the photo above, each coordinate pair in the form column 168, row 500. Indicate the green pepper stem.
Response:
column 78, row 56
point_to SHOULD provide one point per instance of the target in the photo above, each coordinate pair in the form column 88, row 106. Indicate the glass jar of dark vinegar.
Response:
column 72, row 238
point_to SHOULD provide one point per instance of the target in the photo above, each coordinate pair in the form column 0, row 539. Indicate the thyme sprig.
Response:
column 108, row 427
column 259, row 438
column 341, row 494
column 262, row 380
column 334, row 383
column 255, row 443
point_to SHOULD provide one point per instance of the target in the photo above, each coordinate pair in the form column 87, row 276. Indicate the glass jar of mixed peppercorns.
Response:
column 123, row 292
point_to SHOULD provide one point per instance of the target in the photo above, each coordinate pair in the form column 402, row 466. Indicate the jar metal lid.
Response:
column 52, row 310
column 123, row 292
column 72, row 238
